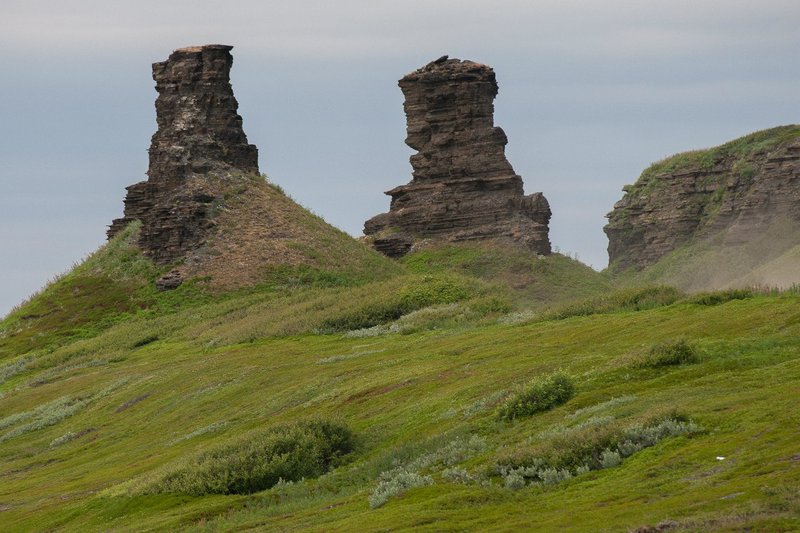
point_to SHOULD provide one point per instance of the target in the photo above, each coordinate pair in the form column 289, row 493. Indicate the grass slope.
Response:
column 86, row 420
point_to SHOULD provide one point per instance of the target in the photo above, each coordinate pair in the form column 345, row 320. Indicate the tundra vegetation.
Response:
column 462, row 387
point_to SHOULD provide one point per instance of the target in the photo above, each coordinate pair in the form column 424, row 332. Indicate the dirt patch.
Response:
column 133, row 401
column 666, row 525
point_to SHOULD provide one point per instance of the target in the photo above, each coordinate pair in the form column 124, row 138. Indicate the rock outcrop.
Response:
column 199, row 135
column 463, row 187
column 733, row 194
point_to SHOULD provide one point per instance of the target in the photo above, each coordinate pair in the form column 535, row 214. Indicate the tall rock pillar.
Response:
column 463, row 187
column 199, row 134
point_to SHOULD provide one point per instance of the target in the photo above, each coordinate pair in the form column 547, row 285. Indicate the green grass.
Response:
column 526, row 280
column 156, row 393
column 155, row 411
column 736, row 152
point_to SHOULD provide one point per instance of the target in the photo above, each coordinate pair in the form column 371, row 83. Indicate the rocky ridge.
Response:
column 463, row 187
column 199, row 135
column 732, row 194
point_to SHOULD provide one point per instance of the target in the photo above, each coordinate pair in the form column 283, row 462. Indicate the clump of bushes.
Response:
column 423, row 292
column 365, row 317
column 395, row 483
column 259, row 461
column 432, row 290
column 637, row 299
column 539, row 394
column 401, row 478
column 45, row 415
column 597, row 449
column 719, row 297
column 669, row 353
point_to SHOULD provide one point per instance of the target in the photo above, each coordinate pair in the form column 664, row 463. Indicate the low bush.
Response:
column 288, row 452
column 540, row 394
column 719, row 297
column 422, row 292
column 366, row 317
column 637, row 299
column 15, row 367
column 668, row 353
column 43, row 416
column 595, row 448
column 398, row 482
column 433, row 290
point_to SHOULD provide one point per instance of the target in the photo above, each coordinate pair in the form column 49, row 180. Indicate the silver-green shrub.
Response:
column 539, row 471
column 394, row 483
column 610, row 459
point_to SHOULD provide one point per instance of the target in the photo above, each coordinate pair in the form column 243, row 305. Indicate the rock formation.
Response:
column 463, row 187
column 734, row 193
column 199, row 135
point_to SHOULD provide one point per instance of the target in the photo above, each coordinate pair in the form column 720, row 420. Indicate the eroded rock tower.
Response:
column 463, row 187
column 199, row 134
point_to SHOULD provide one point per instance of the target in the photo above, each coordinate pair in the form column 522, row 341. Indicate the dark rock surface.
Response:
column 199, row 134
column 735, row 192
column 169, row 281
column 463, row 187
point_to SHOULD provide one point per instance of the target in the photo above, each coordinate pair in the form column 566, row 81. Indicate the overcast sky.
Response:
column 591, row 92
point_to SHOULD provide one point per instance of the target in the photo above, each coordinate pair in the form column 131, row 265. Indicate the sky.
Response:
column 591, row 93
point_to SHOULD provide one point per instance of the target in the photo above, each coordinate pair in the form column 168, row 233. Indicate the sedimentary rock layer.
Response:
column 735, row 192
column 199, row 134
column 463, row 187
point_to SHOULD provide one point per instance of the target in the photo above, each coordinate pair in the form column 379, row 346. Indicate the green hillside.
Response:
column 462, row 388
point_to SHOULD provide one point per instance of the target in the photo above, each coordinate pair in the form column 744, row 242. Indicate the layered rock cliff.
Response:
column 199, row 134
column 743, row 197
column 463, row 187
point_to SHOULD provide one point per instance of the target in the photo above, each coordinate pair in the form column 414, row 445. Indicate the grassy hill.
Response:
column 462, row 388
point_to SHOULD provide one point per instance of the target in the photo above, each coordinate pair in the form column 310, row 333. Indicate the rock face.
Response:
column 463, row 187
column 734, row 193
column 199, row 134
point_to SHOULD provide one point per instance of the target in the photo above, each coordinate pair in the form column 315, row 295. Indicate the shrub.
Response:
column 719, row 297
column 610, row 459
column 365, row 317
column 595, row 449
column 540, row 394
column 457, row 475
column 553, row 476
column 18, row 366
column 669, row 353
column 43, row 416
column 395, row 483
column 514, row 481
column 423, row 292
column 432, row 290
column 637, row 299
column 289, row 452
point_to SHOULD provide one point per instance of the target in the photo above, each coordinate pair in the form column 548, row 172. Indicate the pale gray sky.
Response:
column 591, row 92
